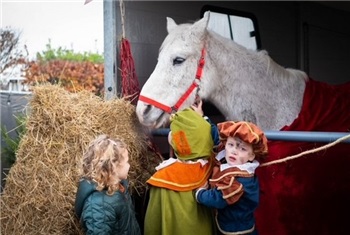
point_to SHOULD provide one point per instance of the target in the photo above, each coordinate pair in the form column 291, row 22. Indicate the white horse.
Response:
column 243, row 84
column 302, row 196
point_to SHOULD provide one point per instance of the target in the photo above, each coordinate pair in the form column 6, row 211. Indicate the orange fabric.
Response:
column 181, row 142
column 181, row 176
column 246, row 131
column 225, row 181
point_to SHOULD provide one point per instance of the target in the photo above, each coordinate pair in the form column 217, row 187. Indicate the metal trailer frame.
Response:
column 302, row 136
column 111, row 86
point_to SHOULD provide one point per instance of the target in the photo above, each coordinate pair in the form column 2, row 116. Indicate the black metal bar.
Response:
column 301, row 136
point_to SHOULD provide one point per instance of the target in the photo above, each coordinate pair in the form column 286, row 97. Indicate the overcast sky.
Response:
column 67, row 23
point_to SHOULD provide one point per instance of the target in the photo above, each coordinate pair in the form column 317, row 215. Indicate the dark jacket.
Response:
column 101, row 214
column 235, row 194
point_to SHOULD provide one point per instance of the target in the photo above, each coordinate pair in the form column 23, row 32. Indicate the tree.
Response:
column 10, row 53
column 74, row 71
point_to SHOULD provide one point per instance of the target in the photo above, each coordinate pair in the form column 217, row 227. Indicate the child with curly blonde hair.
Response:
column 103, row 203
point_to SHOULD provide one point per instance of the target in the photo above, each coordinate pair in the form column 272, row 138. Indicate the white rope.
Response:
column 122, row 16
column 307, row 152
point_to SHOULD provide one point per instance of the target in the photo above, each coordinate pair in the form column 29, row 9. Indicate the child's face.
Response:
column 124, row 166
column 238, row 152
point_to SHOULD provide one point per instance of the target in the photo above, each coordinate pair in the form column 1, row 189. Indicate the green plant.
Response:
column 9, row 151
column 74, row 71
column 68, row 55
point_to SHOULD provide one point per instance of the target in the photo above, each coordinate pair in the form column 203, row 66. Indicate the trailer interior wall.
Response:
column 326, row 37
column 305, row 35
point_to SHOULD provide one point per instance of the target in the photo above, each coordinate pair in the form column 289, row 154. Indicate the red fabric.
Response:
column 130, row 83
column 311, row 194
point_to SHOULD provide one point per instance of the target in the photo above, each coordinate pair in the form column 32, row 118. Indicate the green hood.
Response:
column 191, row 135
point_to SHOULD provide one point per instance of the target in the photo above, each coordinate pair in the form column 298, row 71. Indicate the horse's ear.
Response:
column 200, row 26
column 204, row 21
column 170, row 24
column 206, row 16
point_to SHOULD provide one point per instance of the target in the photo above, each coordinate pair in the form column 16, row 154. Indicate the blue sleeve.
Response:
column 214, row 132
column 211, row 198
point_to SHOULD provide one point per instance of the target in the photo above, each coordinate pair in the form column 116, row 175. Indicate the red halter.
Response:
column 182, row 99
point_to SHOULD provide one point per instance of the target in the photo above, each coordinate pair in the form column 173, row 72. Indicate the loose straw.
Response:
column 307, row 152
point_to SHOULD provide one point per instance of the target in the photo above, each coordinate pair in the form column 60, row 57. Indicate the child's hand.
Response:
column 197, row 106
column 205, row 185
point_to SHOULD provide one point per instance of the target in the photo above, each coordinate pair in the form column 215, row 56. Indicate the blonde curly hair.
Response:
column 100, row 161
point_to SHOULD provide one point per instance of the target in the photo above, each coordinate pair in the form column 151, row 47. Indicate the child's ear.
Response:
column 251, row 157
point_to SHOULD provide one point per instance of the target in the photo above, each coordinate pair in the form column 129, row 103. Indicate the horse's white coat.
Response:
column 243, row 84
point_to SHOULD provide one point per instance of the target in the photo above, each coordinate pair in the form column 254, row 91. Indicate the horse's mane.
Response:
column 243, row 76
column 260, row 59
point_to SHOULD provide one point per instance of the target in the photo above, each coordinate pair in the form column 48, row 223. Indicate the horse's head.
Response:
column 173, row 84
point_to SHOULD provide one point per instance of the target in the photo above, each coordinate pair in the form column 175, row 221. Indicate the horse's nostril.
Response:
column 144, row 110
column 147, row 109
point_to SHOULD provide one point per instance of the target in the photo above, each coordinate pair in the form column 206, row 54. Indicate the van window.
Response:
column 241, row 27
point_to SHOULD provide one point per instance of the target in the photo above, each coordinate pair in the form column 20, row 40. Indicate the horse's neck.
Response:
column 250, row 86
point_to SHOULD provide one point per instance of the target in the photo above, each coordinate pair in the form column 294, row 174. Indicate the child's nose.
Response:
column 234, row 150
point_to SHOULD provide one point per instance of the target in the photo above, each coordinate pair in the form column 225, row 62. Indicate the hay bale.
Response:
column 40, row 188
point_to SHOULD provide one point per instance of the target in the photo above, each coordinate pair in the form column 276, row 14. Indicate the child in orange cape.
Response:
column 172, row 207
column 234, row 191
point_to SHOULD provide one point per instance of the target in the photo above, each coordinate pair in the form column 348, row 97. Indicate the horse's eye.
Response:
column 178, row 60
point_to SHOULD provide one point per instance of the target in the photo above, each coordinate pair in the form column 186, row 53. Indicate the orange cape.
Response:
column 182, row 176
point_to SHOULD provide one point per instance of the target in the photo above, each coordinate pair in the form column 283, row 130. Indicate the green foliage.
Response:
column 9, row 151
column 69, row 55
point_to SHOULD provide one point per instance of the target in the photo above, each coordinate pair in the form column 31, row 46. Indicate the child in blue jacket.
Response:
column 234, row 187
